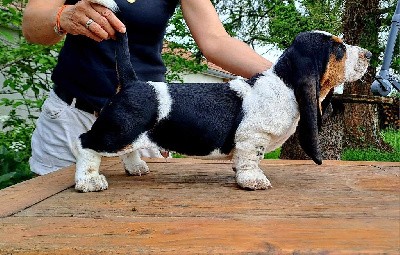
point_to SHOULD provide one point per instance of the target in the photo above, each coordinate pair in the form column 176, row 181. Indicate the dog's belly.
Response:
column 193, row 138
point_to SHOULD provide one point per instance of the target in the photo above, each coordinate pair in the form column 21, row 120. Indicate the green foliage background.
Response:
column 26, row 69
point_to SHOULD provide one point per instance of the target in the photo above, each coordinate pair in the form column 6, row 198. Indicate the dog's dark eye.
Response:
column 339, row 51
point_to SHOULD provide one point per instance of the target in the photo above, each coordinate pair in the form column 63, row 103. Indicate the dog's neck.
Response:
column 283, row 68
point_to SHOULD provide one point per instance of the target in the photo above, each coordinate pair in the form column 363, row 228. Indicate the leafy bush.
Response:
column 14, row 168
column 15, row 150
column 26, row 69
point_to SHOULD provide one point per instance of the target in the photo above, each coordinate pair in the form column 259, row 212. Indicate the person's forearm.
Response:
column 236, row 57
column 83, row 18
column 38, row 23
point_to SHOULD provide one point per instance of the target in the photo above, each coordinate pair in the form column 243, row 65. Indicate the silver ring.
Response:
column 90, row 21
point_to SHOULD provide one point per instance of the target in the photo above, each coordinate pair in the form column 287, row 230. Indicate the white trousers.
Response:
column 58, row 126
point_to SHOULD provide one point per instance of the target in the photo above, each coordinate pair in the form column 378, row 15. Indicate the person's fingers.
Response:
column 97, row 29
column 83, row 19
column 86, row 12
column 101, row 26
column 112, row 20
column 94, row 31
column 77, row 26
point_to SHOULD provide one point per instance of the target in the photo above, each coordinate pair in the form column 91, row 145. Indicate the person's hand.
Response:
column 92, row 20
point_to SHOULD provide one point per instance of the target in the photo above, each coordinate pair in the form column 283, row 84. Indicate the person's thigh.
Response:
column 58, row 126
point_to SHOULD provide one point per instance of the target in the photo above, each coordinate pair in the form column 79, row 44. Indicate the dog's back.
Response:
column 192, row 119
column 203, row 118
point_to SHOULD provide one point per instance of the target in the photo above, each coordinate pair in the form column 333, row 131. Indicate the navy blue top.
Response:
column 87, row 69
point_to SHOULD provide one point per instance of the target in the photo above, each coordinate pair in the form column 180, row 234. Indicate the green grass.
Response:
column 273, row 154
column 391, row 136
column 177, row 155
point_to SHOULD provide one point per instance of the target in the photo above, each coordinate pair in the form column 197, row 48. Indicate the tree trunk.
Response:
column 361, row 24
column 352, row 125
column 330, row 138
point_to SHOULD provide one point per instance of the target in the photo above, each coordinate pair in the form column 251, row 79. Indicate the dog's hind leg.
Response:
column 246, row 157
column 133, row 164
column 87, row 177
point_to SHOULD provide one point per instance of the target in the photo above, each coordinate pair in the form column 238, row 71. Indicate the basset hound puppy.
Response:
column 240, row 120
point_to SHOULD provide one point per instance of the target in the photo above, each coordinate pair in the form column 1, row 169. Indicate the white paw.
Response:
column 252, row 179
column 137, row 168
column 93, row 183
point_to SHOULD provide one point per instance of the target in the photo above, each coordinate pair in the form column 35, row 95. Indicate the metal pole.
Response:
column 384, row 80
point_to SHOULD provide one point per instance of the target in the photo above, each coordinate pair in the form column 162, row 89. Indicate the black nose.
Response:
column 368, row 55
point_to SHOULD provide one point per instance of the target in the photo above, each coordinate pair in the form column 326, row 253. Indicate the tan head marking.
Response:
column 337, row 39
column 333, row 76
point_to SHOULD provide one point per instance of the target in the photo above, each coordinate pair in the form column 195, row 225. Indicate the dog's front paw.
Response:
column 93, row 183
column 252, row 179
column 137, row 168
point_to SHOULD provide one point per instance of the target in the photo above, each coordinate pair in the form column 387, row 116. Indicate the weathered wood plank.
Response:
column 191, row 206
column 25, row 194
column 28, row 193
column 182, row 235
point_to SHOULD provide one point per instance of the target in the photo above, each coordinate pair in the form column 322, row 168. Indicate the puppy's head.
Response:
column 312, row 66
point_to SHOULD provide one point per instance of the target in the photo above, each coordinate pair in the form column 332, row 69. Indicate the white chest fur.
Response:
column 270, row 110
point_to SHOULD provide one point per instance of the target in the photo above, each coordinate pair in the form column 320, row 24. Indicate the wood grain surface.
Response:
column 191, row 206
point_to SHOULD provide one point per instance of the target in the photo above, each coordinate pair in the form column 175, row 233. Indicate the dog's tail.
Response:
column 125, row 71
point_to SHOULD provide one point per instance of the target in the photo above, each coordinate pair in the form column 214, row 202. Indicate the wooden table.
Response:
column 187, row 206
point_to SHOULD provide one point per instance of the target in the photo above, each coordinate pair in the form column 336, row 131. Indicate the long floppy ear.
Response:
column 300, row 67
column 307, row 94
column 325, row 108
